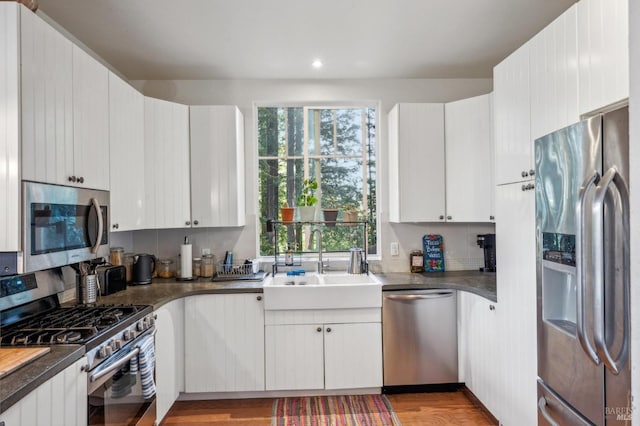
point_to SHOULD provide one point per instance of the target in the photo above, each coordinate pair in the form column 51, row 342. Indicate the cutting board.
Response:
column 13, row 358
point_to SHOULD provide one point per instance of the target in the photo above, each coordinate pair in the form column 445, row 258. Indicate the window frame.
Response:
column 377, row 105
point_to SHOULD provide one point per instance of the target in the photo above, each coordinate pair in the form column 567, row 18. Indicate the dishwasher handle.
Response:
column 419, row 296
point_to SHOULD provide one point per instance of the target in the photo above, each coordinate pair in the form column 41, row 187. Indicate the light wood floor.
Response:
column 446, row 408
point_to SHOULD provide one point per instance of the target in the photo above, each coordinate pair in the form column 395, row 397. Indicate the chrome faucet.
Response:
column 320, row 265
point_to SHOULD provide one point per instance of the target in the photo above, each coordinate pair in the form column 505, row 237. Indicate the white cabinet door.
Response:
column 169, row 356
column 166, row 165
column 469, row 160
column 10, row 125
column 294, row 357
column 352, row 355
column 126, row 152
column 90, row 121
column 224, row 343
column 60, row 401
column 47, row 102
column 516, row 281
column 603, row 45
column 416, row 163
column 217, row 166
column 481, row 357
column 554, row 75
column 512, row 118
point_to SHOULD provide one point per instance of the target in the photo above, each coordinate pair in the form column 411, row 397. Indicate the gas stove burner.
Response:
column 68, row 337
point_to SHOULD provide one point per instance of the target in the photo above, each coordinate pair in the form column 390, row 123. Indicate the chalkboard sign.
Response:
column 433, row 248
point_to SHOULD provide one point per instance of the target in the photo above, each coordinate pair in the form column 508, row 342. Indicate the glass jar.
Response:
column 196, row 267
column 128, row 266
column 207, row 268
column 165, row 268
column 116, row 256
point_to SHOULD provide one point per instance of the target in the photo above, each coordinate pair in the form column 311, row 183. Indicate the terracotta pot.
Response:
column 350, row 217
column 287, row 213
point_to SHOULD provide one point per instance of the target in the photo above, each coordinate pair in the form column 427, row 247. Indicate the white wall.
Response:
column 461, row 250
column 634, row 182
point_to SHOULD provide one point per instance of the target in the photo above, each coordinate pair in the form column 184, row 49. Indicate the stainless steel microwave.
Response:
column 63, row 225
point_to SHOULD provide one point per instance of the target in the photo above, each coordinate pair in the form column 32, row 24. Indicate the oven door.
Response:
column 115, row 394
column 63, row 225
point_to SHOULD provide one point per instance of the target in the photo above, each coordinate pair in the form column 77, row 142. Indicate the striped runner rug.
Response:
column 365, row 410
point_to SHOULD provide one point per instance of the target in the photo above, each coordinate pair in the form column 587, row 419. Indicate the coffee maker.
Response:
column 488, row 243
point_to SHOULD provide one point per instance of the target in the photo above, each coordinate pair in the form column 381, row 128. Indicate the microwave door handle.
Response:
column 96, row 206
column 580, row 269
column 611, row 176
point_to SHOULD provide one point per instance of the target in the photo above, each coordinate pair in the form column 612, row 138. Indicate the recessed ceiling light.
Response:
column 317, row 63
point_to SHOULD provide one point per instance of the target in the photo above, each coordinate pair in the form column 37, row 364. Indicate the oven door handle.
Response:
column 115, row 366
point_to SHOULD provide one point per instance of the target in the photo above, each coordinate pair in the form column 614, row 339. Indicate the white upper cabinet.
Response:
column 10, row 125
column 603, row 46
column 554, row 75
column 512, row 118
column 47, row 102
column 126, row 147
column 166, row 164
column 217, row 166
column 469, row 160
column 90, row 122
column 416, row 163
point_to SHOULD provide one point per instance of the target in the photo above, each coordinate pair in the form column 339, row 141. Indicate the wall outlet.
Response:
column 395, row 249
column 206, row 251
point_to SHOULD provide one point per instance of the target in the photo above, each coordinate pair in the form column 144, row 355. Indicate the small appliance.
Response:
column 112, row 279
column 144, row 265
column 488, row 243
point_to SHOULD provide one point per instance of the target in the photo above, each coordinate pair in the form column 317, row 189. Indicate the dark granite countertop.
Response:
column 162, row 291
column 18, row 384
column 480, row 283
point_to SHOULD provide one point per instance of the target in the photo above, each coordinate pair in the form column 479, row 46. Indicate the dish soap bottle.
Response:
column 288, row 256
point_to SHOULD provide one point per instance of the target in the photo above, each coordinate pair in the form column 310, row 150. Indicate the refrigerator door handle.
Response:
column 580, row 266
column 611, row 176
column 542, row 406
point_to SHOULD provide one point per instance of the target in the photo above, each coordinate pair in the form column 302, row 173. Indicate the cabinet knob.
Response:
column 449, row 218
column 524, row 173
column 532, row 172
column 492, row 218
column 81, row 179
column 259, row 298
column 195, row 222
column 72, row 179
column 524, row 187
column 328, row 329
column 187, row 223
column 492, row 308
column 441, row 217
column 319, row 329
column 116, row 226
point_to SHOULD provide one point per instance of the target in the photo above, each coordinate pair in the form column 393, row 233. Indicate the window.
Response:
column 335, row 146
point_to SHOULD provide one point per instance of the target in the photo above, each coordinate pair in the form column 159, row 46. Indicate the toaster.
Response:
column 112, row 279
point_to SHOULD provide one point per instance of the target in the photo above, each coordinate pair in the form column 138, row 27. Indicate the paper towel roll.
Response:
column 185, row 261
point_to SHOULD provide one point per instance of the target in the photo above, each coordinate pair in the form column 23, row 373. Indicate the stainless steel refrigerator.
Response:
column 582, row 234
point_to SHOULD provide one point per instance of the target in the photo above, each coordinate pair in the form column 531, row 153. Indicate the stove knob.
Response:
column 127, row 335
column 146, row 323
column 102, row 353
column 116, row 344
column 108, row 350
column 140, row 326
column 152, row 321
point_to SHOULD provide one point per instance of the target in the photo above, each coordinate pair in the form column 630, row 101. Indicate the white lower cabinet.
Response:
column 169, row 356
column 224, row 343
column 480, row 352
column 61, row 400
column 326, row 354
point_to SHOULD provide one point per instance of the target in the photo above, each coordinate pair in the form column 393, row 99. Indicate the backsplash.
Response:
column 461, row 250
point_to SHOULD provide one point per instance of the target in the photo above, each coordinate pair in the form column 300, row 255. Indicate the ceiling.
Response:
column 273, row 39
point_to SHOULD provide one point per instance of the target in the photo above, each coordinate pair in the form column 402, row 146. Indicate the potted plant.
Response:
column 307, row 200
column 350, row 214
column 286, row 212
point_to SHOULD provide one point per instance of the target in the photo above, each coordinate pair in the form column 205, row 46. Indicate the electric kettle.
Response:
column 144, row 265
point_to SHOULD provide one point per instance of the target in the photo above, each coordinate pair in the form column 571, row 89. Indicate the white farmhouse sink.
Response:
column 322, row 291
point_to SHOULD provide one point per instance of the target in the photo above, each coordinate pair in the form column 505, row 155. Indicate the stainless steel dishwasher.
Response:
column 420, row 339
